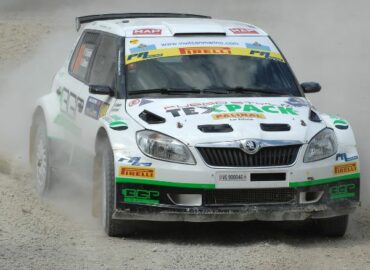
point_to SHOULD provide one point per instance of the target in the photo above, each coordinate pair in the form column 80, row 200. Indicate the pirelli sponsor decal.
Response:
column 136, row 172
column 169, row 52
column 204, row 50
column 345, row 168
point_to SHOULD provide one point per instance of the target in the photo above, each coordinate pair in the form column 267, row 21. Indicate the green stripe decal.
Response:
column 325, row 180
column 213, row 186
column 163, row 183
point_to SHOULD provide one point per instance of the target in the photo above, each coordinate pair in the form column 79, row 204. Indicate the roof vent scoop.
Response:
column 275, row 127
column 215, row 128
column 151, row 118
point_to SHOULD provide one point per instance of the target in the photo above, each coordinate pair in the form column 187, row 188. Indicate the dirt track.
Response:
column 59, row 233
column 36, row 234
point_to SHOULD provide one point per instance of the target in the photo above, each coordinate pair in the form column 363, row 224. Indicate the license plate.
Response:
column 232, row 177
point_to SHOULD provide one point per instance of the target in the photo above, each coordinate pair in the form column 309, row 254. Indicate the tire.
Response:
column 105, row 182
column 41, row 158
column 332, row 227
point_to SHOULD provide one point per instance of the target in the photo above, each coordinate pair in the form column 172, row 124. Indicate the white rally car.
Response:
column 187, row 118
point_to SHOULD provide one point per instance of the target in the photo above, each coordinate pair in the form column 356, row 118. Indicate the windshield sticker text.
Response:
column 171, row 52
column 204, row 50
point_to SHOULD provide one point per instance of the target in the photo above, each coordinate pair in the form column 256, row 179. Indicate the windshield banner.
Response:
column 141, row 49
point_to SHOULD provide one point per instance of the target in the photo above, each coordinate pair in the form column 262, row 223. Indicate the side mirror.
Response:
column 311, row 87
column 101, row 90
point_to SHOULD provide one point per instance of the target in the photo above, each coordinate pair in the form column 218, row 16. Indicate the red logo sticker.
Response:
column 133, row 102
column 241, row 31
column 147, row 31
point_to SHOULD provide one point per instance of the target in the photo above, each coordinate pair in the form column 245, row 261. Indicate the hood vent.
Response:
column 275, row 127
column 215, row 128
column 151, row 118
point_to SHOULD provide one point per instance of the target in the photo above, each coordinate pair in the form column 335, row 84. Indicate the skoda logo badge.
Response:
column 250, row 147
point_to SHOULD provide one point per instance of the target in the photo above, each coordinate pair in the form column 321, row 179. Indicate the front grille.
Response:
column 235, row 157
column 249, row 196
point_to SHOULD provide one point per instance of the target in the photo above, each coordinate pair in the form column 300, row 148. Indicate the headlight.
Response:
column 163, row 147
column 323, row 145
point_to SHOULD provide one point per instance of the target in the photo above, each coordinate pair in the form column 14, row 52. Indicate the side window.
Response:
column 104, row 67
column 83, row 55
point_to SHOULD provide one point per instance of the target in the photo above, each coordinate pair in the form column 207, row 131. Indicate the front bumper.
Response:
column 229, row 214
column 151, row 203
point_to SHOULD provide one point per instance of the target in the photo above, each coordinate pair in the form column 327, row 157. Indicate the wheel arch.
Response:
column 38, row 114
column 100, row 135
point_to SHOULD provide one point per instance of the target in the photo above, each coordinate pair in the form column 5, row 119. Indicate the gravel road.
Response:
column 59, row 233
column 37, row 234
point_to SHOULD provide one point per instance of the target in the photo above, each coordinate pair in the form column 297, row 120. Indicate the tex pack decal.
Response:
column 221, row 111
column 96, row 108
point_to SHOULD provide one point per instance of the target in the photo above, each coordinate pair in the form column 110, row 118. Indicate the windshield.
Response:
column 190, row 66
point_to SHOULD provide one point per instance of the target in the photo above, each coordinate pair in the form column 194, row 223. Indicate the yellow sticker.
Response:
column 238, row 115
column 137, row 172
column 345, row 168
column 134, row 41
column 169, row 52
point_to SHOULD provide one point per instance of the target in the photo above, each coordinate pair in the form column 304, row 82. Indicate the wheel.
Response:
column 41, row 158
column 332, row 227
column 104, row 174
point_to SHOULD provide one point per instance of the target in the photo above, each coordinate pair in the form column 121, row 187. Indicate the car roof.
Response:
column 165, row 27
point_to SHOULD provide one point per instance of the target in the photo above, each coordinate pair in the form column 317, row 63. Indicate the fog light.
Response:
column 186, row 199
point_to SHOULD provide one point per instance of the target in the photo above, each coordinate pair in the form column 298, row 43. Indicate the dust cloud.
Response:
column 324, row 41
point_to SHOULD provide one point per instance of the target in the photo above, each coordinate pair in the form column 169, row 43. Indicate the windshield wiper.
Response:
column 215, row 90
column 165, row 91
column 240, row 89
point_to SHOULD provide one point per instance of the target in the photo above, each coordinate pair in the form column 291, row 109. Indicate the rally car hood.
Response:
column 205, row 120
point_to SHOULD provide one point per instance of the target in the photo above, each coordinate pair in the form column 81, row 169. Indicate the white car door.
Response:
column 94, row 63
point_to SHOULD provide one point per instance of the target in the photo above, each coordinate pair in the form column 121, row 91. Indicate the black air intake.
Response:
column 249, row 196
column 215, row 128
column 275, row 127
column 151, row 118
column 236, row 157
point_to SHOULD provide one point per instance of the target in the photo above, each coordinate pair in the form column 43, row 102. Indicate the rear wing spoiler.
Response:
column 115, row 16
